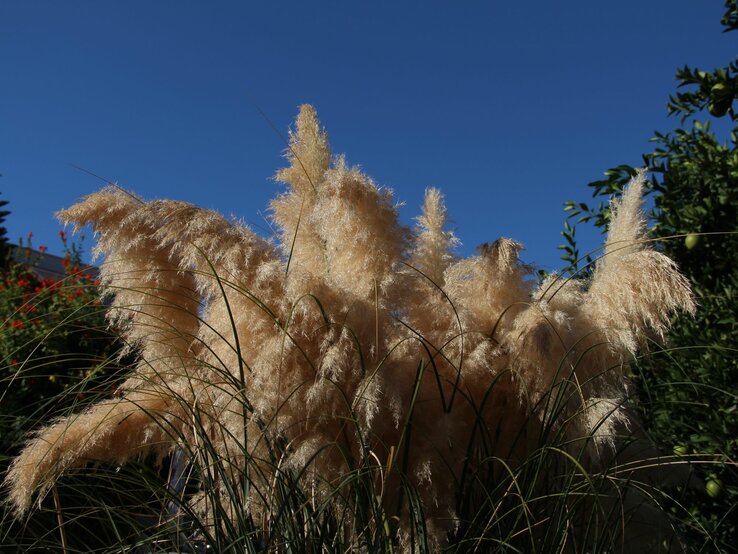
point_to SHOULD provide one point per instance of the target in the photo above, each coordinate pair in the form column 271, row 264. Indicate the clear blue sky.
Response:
column 509, row 107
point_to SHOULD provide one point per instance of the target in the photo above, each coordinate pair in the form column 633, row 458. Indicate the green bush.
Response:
column 690, row 401
column 53, row 339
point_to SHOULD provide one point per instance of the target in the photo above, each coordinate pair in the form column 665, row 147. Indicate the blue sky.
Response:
column 509, row 107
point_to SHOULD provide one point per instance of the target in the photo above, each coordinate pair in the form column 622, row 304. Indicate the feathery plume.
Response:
column 433, row 245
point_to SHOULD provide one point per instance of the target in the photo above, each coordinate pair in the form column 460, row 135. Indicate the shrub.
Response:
column 54, row 338
column 688, row 391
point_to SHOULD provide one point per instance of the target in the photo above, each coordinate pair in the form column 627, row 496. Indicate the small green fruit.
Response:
column 714, row 487
column 680, row 450
column 718, row 108
column 721, row 91
column 721, row 98
column 691, row 240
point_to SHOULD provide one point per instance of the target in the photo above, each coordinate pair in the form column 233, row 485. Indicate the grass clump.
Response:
column 354, row 385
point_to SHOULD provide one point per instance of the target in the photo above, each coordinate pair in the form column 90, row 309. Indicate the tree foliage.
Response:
column 4, row 248
column 689, row 391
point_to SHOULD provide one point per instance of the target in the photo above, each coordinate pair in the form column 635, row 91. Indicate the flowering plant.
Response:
column 53, row 336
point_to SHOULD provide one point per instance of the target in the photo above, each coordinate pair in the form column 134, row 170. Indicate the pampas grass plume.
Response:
column 325, row 337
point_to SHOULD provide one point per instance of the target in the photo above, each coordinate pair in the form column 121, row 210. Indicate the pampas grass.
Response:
column 355, row 379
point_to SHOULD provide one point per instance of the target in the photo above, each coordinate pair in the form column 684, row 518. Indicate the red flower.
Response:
column 16, row 324
column 23, row 282
column 65, row 262
column 30, row 235
column 43, row 248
